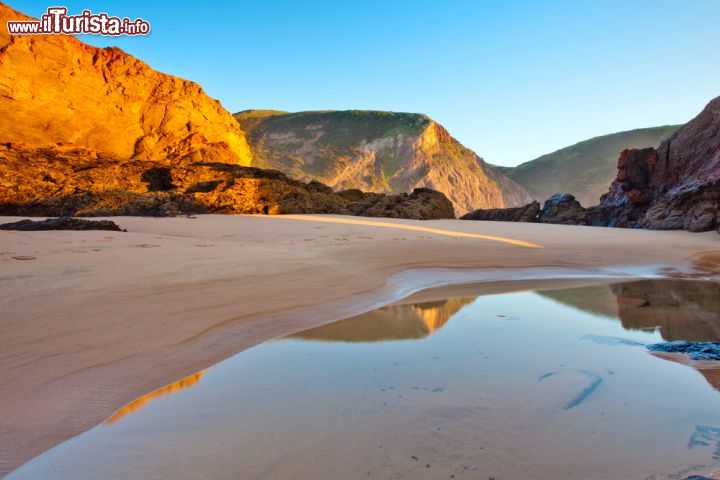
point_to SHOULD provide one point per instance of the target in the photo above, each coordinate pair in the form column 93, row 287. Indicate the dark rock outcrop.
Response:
column 62, row 223
column 696, row 209
column 676, row 186
column 697, row 351
column 73, row 181
column 421, row 204
column 527, row 213
column 563, row 209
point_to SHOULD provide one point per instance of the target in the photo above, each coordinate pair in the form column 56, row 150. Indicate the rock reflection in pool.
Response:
column 483, row 396
column 396, row 322
column 679, row 309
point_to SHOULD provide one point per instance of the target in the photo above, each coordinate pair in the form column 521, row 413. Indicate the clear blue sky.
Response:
column 510, row 79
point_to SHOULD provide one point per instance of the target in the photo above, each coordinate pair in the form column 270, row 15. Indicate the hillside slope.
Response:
column 61, row 90
column 379, row 152
column 585, row 169
column 90, row 131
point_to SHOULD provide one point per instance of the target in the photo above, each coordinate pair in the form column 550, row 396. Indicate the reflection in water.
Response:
column 516, row 385
column 138, row 403
column 709, row 370
column 681, row 310
column 396, row 322
column 678, row 309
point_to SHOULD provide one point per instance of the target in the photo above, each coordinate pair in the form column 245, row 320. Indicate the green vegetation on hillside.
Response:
column 585, row 169
column 342, row 128
column 376, row 151
column 327, row 139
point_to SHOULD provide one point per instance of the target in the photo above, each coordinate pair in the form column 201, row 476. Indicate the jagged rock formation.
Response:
column 74, row 181
column 676, row 186
column 673, row 187
column 527, row 213
column 379, row 152
column 62, row 223
column 563, row 209
column 62, row 90
column 585, row 169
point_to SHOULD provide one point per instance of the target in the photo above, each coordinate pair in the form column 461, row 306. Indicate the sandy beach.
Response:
column 93, row 320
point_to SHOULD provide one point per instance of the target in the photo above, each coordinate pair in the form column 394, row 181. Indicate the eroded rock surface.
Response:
column 527, row 213
column 676, row 186
column 563, row 209
column 73, row 181
column 59, row 89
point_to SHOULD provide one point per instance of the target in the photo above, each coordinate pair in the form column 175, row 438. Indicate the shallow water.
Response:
column 547, row 385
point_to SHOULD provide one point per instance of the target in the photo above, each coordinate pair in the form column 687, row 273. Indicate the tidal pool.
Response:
column 552, row 384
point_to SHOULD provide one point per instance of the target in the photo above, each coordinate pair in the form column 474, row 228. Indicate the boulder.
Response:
column 62, row 223
column 563, row 209
column 527, row 213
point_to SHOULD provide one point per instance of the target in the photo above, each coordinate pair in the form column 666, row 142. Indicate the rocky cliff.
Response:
column 88, row 131
column 72, row 181
column 585, row 169
column 676, row 186
column 54, row 88
column 673, row 187
column 377, row 151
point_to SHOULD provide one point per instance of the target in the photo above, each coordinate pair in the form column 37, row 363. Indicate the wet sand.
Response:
column 94, row 320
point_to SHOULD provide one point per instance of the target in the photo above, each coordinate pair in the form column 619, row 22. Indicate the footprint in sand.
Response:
column 24, row 257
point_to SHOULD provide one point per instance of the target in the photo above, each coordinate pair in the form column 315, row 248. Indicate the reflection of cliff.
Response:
column 712, row 375
column 680, row 309
column 138, row 403
column 709, row 370
column 397, row 322
column 596, row 299
column 683, row 310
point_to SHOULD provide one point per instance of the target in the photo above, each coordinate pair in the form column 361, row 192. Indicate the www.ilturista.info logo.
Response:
column 57, row 22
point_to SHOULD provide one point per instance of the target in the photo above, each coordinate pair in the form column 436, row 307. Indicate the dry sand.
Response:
column 93, row 320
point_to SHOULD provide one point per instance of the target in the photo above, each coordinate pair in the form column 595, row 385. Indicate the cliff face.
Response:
column 377, row 151
column 59, row 89
column 585, row 169
column 89, row 131
column 676, row 186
